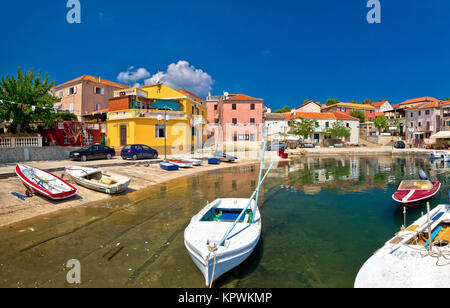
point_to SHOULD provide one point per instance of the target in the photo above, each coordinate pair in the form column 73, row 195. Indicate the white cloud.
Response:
column 132, row 76
column 180, row 75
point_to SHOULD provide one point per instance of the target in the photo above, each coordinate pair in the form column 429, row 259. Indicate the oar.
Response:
column 117, row 245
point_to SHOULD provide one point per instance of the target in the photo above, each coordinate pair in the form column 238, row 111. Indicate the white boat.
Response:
column 181, row 163
column 440, row 155
column 224, row 233
column 44, row 183
column 408, row 260
column 195, row 162
column 99, row 180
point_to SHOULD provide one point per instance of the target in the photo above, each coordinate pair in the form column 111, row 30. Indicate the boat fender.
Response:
column 423, row 175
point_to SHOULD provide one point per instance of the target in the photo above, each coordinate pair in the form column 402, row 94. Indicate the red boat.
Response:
column 44, row 183
column 412, row 192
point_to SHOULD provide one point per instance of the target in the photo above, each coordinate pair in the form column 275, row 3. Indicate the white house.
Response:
column 277, row 125
column 382, row 106
column 326, row 119
column 310, row 106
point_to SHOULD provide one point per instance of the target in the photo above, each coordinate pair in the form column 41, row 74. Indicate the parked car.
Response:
column 399, row 145
column 302, row 144
column 138, row 151
column 275, row 146
column 96, row 151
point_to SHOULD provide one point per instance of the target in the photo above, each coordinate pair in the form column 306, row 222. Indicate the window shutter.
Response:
column 102, row 91
column 68, row 91
column 74, row 90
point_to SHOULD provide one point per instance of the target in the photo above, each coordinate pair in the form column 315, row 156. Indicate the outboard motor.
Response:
column 423, row 175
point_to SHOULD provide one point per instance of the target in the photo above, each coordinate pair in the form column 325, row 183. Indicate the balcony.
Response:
column 148, row 114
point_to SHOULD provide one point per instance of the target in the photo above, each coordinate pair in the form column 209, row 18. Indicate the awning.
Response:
column 166, row 105
column 441, row 135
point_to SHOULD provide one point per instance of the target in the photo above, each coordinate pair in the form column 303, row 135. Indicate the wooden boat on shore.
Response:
column 44, row 183
column 99, row 180
column 224, row 157
column 413, row 191
column 411, row 259
column 165, row 165
column 181, row 163
column 195, row 162
column 224, row 233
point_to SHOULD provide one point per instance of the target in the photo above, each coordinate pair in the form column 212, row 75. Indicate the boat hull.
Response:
column 414, row 197
column 121, row 186
column 40, row 189
column 168, row 166
column 181, row 163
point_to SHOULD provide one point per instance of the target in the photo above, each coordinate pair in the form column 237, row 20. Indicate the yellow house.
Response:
column 136, row 116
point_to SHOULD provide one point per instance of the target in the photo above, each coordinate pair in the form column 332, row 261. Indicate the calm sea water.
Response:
column 322, row 218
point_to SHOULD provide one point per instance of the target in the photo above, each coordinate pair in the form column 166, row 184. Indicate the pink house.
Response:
column 240, row 117
column 85, row 95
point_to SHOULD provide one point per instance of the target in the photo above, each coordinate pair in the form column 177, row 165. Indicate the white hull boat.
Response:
column 195, row 162
column 440, row 155
column 410, row 259
column 102, row 181
column 225, row 232
column 206, row 230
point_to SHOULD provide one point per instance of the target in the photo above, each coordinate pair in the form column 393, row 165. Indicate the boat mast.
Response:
column 259, row 178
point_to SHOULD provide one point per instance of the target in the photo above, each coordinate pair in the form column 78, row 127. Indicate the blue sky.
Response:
column 281, row 51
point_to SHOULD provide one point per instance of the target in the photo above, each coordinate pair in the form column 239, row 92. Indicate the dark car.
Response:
column 275, row 146
column 302, row 144
column 399, row 145
column 138, row 151
column 96, row 151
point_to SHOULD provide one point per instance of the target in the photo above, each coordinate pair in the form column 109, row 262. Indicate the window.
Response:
column 412, row 114
column 192, row 109
column 252, row 120
column 371, row 111
column 61, row 94
column 327, row 124
column 420, row 124
column 193, row 131
column 99, row 91
column 215, row 107
column 234, row 121
column 159, row 131
column 317, row 124
column 235, row 137
column 71, row 91
column 348, row 125
column 233, row 106
column 71, row 107
column 420, row 113
column 66, row 139
column 89, row 139
column 252, row 137
column 252, row 106
column 412, row 124
column 427, row 112
column 216, row 121
column 98, row 107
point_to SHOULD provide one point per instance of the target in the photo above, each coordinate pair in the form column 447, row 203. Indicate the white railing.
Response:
column 20, row 142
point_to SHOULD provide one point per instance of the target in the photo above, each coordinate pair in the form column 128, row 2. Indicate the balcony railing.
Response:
column 20, row 142
column 148, row 114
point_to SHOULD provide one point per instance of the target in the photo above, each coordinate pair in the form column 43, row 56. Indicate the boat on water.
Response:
column 165, row 165
column 410, row 259
column 411, row 192
column 224, row 157
column 224, row 233
column 99, row 180
column 181, row 163
column 444, row 155
column 44, row 183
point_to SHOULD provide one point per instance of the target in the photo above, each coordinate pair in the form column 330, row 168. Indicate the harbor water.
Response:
column 322, row 219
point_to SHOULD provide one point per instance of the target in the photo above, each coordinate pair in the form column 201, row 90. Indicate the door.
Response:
column 147, row 152
column 123, row 135
column 139, row 152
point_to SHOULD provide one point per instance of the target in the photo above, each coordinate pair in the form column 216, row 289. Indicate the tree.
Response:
column 359, row 114
column 381, row 123
column 354, row 102
column 285, row 109
column 332, row 101
column 26, row 98
column 303, row 128
column 367, row 101
column 337, row 130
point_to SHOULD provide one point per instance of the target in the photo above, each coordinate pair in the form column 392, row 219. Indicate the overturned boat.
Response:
column 99, row 180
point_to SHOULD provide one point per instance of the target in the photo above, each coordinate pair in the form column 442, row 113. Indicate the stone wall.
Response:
column 15, row 155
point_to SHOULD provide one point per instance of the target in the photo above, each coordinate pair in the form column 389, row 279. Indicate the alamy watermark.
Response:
column 74, row 14
column 374, row 15
column 74, row 275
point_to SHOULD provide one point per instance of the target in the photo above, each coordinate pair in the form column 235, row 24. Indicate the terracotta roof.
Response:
column 332, row 115
column 445, row 103
column 377, row 114
column 307, row 103
column 287, row 115
column 351, row 105
column 379, row 104
column 243, row 97
column 419, row 100
column 426, row 105
column 186, row 92
column 96, row 80
column 395, row 106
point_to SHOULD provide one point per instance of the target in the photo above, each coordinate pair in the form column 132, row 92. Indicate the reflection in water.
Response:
column 322, row 218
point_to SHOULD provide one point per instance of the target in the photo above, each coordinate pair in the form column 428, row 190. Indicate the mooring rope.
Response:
column 213, row 250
